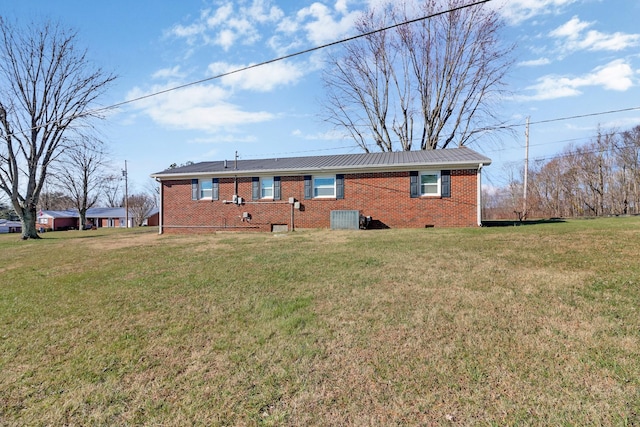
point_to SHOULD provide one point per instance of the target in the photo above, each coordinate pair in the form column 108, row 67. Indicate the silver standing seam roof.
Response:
column 396, row 160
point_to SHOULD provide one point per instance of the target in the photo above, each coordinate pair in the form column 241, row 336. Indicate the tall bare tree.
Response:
column 82, row 175
column 47, row 90
column 434, row 82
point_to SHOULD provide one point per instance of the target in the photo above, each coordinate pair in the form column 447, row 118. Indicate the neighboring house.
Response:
column 96, row 217
column 153, row 218
column 8, row 226
column 109, row 217
column 432, row 188
column 57, row 220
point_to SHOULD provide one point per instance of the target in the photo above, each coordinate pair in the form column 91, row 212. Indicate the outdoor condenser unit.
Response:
column 345, row 220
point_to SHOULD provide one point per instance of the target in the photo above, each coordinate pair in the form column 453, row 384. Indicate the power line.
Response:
column 292, row 55
column 559, row 119
column 271, row 61
column 334, row 43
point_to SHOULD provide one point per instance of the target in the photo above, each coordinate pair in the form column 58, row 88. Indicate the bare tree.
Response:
column 113, row 191
column 82, row 175
column 628, row 159
column 435, row 81
column 140, row 205
column 54, row 200
column 47, row 89
column 152, row 189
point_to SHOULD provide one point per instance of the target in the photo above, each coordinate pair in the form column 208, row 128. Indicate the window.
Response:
column 430, row 183
column 43, row 221
column 266, row 188
column 206, row 188
column 324, row 186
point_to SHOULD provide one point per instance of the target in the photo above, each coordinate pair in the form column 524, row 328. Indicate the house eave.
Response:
column 322, row 170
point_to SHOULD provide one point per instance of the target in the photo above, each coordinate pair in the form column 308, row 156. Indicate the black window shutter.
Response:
column 194, row 189
column 339, row 186
column 308, row 189
column 255, row 188
column 215, row 186
column 445, row 182
column 276, row 188
column 414, row 184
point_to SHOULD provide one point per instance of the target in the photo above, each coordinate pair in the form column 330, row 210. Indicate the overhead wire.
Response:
column 324, row 46
column 260, row 64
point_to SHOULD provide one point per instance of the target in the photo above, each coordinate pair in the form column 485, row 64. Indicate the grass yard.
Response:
column 530, row 325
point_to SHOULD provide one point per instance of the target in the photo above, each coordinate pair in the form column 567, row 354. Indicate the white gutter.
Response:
column 160, row 207
column 479, row 197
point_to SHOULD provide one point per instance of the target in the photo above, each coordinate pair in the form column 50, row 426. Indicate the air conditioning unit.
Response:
column 345, row 220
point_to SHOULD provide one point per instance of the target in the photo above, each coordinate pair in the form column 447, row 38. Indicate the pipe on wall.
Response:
column 479, row 197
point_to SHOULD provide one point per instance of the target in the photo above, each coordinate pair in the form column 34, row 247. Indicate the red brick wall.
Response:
column 383, row 196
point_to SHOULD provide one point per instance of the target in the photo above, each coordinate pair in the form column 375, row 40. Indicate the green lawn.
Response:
column 529, row 325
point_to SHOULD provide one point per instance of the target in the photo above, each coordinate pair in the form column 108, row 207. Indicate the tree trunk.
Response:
column 83, row 219
column 28, row 220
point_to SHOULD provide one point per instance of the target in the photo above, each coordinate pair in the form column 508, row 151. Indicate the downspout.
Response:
column 160, row 207
column 479, row 197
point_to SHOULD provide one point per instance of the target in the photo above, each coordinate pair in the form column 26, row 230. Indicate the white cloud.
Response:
column 226, row 39
column 261, row 79
column 571, row 28
column 261, row 11
column 616, row 75
column 573, row 37
column 535, row 62
column 226, row 138
column 225, row 26
column 320, row 24
column 200, row 107
column 341, row 6
column 247, row 22
column 220, row 16
column 168, row 73
column 517, row 11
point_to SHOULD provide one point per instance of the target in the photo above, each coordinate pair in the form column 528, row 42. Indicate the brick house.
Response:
column 96, row 217
column 57, row 220
column 406, row 189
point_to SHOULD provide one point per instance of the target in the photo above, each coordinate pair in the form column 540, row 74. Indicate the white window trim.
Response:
column 439, row 183
column 262, row 188
column 314, row 187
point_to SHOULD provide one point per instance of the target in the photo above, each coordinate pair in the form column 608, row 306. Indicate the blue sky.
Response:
column 573, row 57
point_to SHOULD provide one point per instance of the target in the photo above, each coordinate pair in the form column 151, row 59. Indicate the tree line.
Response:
column 597, row 178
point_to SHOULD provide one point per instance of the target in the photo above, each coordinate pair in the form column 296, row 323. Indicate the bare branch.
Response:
column 440, row 77
column 47, row 90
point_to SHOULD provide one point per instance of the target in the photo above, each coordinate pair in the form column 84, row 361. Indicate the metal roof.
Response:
column 70, row 213
column 452, row 157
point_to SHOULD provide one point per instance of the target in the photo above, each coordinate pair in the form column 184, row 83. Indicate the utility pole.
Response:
column 526, row 172
column 126, row 194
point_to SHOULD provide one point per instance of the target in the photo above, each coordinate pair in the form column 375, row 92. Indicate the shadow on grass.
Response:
column 514, row 223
